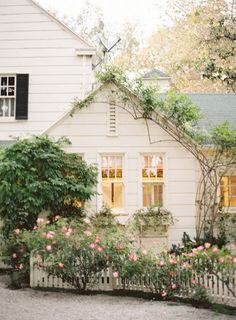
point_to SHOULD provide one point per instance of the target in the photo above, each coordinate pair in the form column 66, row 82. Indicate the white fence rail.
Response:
column 218, row 291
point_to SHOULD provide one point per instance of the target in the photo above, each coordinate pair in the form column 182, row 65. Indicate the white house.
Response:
column 43, row 67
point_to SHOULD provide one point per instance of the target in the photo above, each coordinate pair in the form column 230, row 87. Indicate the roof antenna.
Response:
column 105, row 49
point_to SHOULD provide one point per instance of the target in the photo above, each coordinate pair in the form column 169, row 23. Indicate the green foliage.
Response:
column 81, row 104
column 112, row 73
column 37, row 175
column 224, row 137
column 152, row 217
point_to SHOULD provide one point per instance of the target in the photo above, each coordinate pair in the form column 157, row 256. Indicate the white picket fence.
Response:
column 218, row 291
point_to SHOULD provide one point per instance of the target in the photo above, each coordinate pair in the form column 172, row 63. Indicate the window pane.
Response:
column 3, row 91
column 4, row 81
column 118, row 195
column 12, row 107
column 11, row 81
column 147, row 195
column 106, row 193
column 158, row 195
column 11, row 91
column 112, row 173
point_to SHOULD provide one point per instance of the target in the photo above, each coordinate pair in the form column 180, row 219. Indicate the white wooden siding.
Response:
column 88, row 134
column 33, row 42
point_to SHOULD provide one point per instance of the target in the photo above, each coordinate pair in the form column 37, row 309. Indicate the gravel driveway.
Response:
column 28, row 304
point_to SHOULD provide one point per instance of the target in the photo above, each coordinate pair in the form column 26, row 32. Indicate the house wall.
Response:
column 87, row 131
column 33, row 42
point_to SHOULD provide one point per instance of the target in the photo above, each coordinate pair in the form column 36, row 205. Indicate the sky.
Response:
column 147, row 14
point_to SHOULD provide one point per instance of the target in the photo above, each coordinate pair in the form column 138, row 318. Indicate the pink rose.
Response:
column 193, row 281
column 194, row 250
column 173, row 286
column 40, row 221
column 172, row 261
column 234, row 260
column 57, row 217
column 54, row 241
column 133, row 257
column 115, row 274
column 14, row 255
column 61, row 265
column 87, row 220
column 200, row 248
column 215, row 250
column 205, row 286
column 164, row 293
column 35, row 228
column 221, row 260
column 21, row 266
column 207, row 245
column 98, row 238
column 17, row 231
column 144, row 252
column 48, row 248
column 161, row 263
column 99, row 249
column 50, row 234
column 92, row 246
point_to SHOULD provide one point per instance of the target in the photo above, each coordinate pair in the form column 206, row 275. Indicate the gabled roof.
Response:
column 63, row 26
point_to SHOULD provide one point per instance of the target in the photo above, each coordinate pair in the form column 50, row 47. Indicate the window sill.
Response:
column 12, row 120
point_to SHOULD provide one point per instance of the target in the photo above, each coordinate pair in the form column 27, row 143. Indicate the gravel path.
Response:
column 28, row 304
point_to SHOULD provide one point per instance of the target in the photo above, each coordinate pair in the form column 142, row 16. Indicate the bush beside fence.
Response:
column 104, row 281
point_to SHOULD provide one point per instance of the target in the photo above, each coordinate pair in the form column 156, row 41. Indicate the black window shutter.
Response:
column 22, row 92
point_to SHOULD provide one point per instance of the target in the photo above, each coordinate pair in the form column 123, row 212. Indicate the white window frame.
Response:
column 2, row 118
column 152, row 181
column 123, row 181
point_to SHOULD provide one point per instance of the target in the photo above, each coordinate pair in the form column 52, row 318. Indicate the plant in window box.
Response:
column 152, row 217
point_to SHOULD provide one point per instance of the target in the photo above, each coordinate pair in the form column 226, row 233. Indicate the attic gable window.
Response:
column 7, row 96
column 112, row 124
column 14, row 96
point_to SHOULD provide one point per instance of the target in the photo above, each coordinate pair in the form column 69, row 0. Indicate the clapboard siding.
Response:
column 87, row 132
column 33, row 42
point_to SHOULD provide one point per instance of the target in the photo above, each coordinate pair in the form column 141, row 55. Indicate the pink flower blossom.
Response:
column 35, row 228
column 133, row 257
column 115, row 274
column 44, row 234
column 206, row 286
column 48, row 248
column 232, row 246
column 120, row 246
column 221, row 260
column 54, row 241
column 88, row 233
column 200, row 248
column 173, row 286
column 40, row 221
column 162, row 263
column 87, row 221
column 172, row 261
column 61, row 265
column 17, row 231
column 144, row 252
column 234, row 260
column 99, row 249
column 21, row 266
column 92, row 246
column 215, row 250
column 194, row 250
column 57, row 217
column 164, row 293
column 193, row 281
column 14, row 255
column 131, row 237
column 98, row 238
column 173, row 254
column 50, row 234
column 207, row 245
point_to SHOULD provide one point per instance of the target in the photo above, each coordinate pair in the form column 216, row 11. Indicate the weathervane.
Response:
column 105, row 49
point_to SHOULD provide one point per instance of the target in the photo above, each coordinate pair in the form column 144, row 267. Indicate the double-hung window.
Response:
column 152, row 180
column 112, row 181
column 7, row 96
column 228, row 191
